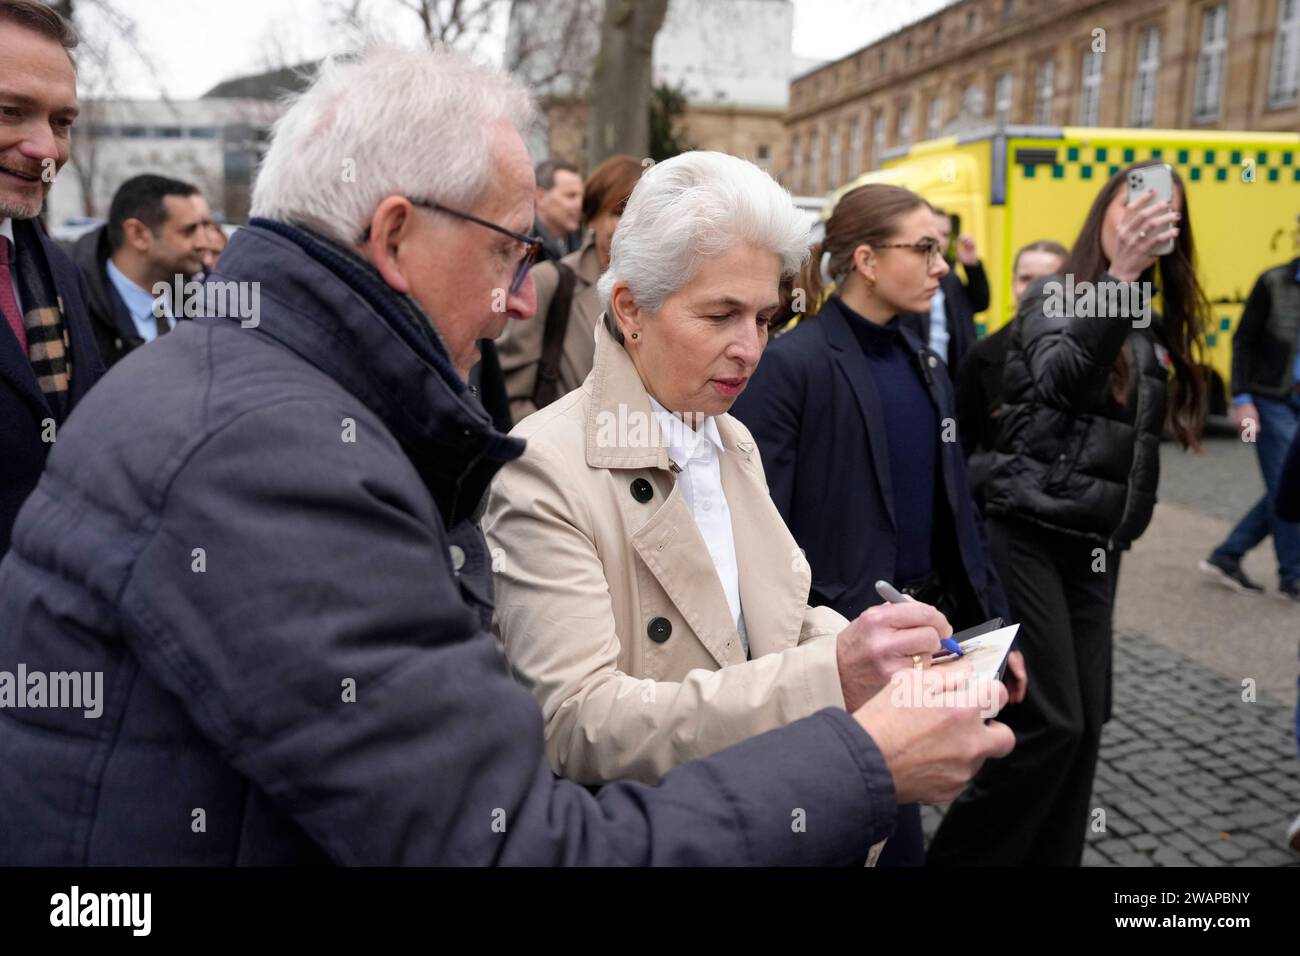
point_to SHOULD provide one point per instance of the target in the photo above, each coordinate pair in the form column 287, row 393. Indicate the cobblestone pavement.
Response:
column 1190, row 774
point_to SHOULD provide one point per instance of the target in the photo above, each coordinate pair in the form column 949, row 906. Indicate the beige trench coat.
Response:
column 592, row 573
column 519, row 347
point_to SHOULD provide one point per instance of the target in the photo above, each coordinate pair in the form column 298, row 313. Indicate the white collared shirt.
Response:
column 7, row 230
column 695, row 452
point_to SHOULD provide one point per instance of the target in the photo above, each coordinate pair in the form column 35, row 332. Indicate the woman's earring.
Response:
column 635, row 336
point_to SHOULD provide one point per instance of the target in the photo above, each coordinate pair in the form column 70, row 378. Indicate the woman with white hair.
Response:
column 648, row 591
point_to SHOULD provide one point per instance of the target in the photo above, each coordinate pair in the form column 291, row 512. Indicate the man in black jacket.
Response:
column 948, row 329
column 156, row 232
column 1266, row 406
column 47, row 353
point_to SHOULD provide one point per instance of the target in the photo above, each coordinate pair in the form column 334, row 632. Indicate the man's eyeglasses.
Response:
column 532, row 244
column 930, row 247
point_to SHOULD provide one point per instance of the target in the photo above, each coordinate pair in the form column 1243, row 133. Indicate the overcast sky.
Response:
column 196, row 44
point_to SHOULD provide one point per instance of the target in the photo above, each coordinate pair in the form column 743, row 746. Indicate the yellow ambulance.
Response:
column 1012, row 185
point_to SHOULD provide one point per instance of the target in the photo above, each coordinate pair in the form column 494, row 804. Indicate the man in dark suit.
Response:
column 157, row 230
column 948, row 329
column 48, row 358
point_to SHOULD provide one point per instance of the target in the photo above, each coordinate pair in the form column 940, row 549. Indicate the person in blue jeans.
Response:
column 1266, row 390
column 1288, row 509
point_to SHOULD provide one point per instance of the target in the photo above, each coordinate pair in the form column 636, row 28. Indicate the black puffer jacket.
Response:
column 1069, row 457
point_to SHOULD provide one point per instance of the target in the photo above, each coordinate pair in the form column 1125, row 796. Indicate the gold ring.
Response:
column 916, row 661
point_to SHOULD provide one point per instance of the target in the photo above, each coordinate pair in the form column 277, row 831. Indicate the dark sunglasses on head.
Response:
column 532, row 244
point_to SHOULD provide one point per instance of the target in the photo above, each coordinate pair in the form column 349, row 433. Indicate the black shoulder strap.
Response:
column 546, row 389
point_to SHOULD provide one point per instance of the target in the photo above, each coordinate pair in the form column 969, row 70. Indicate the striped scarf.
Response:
column 47, row 332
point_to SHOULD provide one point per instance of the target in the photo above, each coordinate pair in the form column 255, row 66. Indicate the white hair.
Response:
column 693, row 206
column 391, row 121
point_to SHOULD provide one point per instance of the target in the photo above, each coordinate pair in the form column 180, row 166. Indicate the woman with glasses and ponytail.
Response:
column 1087, row 392
column 855, row 420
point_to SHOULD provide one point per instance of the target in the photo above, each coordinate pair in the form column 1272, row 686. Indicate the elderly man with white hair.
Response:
column 262, row 531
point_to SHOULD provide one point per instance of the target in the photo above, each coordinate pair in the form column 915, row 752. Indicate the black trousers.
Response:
column 1031, row 808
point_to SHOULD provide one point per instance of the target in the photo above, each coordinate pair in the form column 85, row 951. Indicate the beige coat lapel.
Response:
column 623, row 434
column 673, row 549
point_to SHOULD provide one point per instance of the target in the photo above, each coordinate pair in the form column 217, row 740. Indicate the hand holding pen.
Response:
column 894, row 596
column 884, row 640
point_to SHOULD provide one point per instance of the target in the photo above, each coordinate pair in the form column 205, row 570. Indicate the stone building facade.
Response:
column 1185, row 64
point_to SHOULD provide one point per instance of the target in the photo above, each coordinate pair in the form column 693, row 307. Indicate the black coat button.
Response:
column 642, row 490
column 660, row 630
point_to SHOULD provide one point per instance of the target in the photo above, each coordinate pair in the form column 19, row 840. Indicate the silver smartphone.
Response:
column 1160, row 180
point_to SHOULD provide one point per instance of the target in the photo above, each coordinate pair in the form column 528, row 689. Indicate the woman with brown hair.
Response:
column 855, row 419
column 1087, row 393
column 552, row 354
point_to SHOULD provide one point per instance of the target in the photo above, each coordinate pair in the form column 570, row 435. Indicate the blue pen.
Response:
column 892, row 595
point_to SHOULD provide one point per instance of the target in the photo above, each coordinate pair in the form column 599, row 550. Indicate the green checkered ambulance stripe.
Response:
column 1220, row 324
column 1197, row 164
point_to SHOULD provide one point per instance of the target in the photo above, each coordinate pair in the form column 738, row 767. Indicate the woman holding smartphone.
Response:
column 1087, row 393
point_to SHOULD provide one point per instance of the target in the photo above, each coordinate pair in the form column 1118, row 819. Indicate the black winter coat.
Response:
column 1070, row 458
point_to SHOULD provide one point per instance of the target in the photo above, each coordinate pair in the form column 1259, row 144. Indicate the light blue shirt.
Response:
column 1245, row 399
column 139, row 303
column 939, row 325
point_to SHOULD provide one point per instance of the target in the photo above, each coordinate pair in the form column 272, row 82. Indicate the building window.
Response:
column 938, row 35
column 1044, row 90
column 1008, row 8
column 883, row 61
column 877, row 138
column 972, row 102
column 834, row 173
column 763, row 152
column 796, row 164
column 1090, row 88
column 203, row 132
column 907, row 50
column 1209, row 65
column 972, row 22
column 1284, row 78
column 905, row 124
column 1002, row 98
column 855, row 147
column 815, row 164
column 933, row 117
column 1144, row 81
